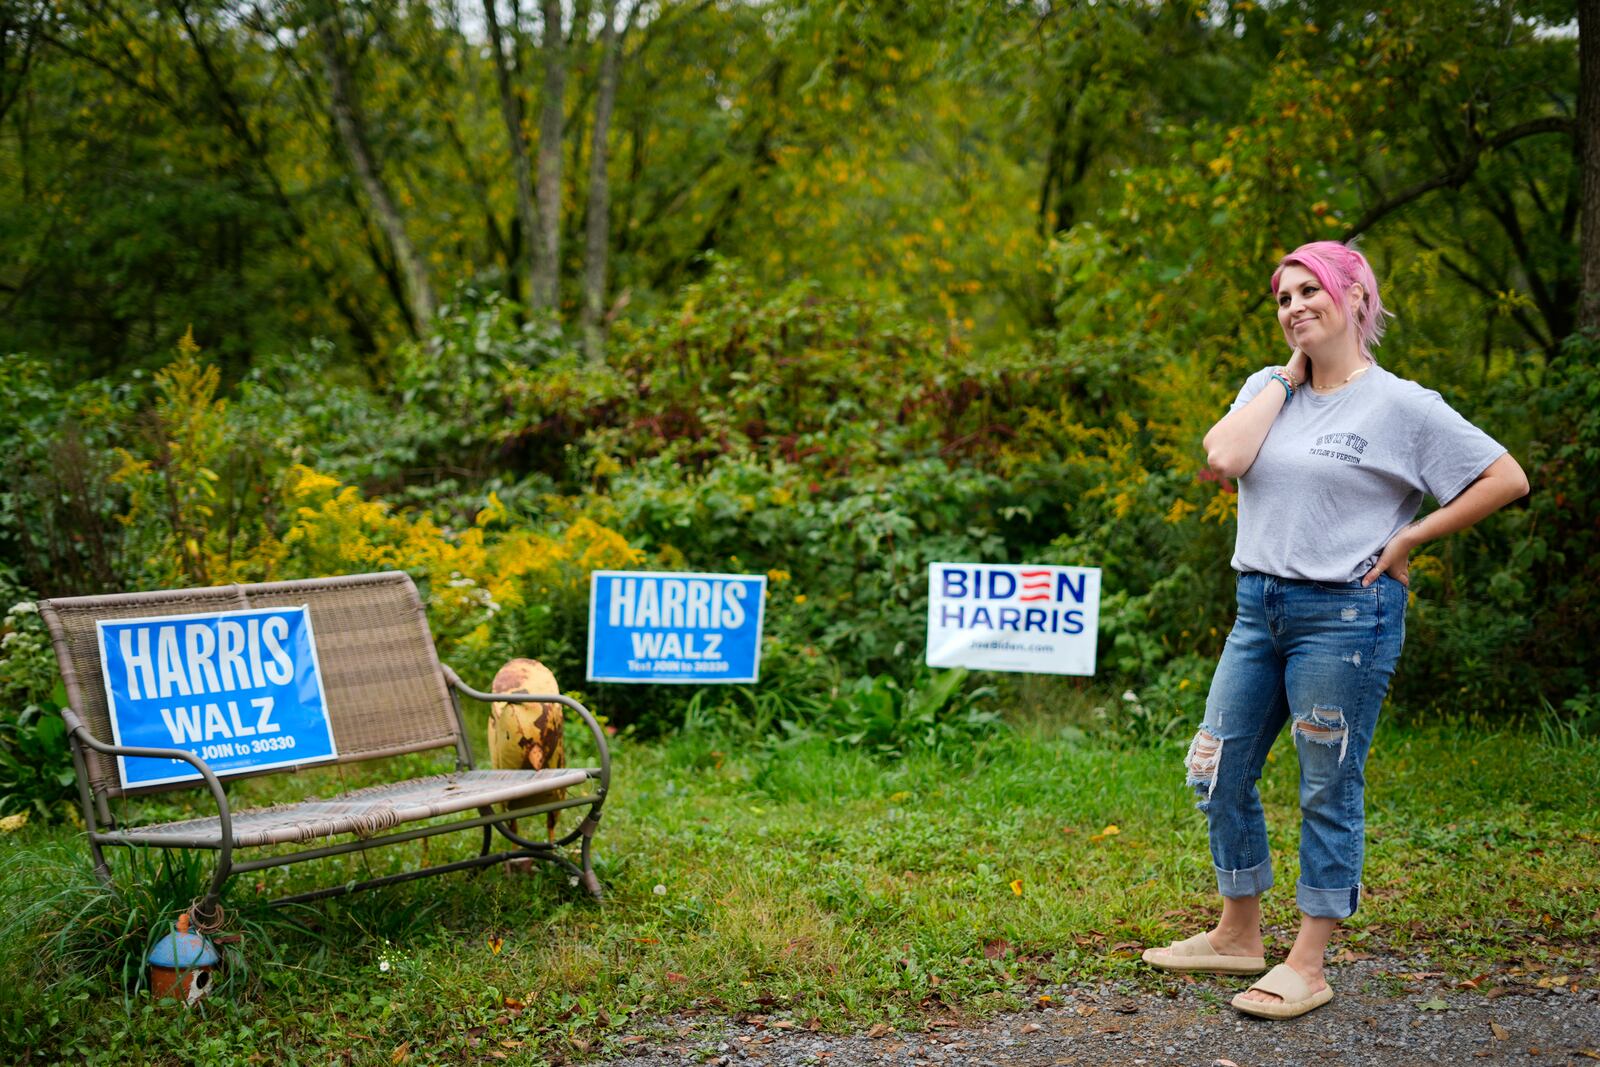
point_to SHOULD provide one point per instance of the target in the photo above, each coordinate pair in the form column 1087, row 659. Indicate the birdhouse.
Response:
column 181, row 964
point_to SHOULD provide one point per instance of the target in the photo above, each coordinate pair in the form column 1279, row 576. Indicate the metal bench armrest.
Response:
column 533, row 698
column 80, row 731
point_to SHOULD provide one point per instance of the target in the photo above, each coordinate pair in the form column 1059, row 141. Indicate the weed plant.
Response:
column 77, row 933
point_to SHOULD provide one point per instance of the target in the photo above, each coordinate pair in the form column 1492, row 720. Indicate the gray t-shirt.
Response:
column 1339, row 475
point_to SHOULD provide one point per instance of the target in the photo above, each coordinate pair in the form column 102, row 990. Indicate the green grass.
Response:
column 802, row 881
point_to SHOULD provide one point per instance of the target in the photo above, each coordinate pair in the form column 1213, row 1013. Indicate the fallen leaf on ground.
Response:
column 401, row 1053
column 1016, row 886
column 1500, row 1033
column 1589, row 1053
column 1031, row 1028
column 1436, row 1004
column 880, row 1030
column 674, row 976
column 1109, row 831
column 996, row 947
column 1350, row 956
column 1472, row 983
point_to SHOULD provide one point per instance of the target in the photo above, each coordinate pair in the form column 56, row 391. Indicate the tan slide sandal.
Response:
column 1283, row 981
column 1196, row 954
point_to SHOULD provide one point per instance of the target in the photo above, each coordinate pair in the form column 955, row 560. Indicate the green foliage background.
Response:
column 891, row 283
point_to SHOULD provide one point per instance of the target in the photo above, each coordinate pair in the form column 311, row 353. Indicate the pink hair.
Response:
column 1337, row 266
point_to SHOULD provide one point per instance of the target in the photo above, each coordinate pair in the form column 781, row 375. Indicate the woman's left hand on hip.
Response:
column 1395, row 561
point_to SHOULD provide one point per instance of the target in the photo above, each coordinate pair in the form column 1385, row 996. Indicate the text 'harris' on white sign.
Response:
column 1036, row 619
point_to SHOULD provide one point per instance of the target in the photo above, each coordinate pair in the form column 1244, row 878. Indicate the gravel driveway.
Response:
column 1385, row 1012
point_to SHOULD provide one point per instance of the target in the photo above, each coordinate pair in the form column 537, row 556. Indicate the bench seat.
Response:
column 363, row 812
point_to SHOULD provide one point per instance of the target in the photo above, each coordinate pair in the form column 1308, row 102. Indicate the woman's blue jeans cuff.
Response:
column 1327, row 903
column 1249, row 882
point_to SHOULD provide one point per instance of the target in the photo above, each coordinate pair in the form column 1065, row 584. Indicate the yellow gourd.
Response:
column 527, row 736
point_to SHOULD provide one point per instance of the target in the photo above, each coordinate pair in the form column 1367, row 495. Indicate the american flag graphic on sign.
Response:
column 1036, row 585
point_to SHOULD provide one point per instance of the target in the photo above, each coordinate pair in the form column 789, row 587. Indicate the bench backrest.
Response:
column 386, row 692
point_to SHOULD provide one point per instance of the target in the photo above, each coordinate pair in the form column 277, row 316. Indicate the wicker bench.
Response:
column 387, row 694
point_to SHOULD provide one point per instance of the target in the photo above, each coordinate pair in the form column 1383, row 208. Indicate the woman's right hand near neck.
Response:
column 1298, row 366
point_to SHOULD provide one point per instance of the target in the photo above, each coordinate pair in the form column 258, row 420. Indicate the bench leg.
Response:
column 207, row 914
column 588, row 879
column 102, row 869
column 546, row 852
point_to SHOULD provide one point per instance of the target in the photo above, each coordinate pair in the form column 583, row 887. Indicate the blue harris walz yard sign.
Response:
column 240, row 689
column 656, row 626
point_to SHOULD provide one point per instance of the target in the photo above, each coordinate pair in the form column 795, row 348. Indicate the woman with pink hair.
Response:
column 1333, row 455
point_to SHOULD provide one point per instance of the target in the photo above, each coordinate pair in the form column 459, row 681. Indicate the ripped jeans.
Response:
column 1321, row 655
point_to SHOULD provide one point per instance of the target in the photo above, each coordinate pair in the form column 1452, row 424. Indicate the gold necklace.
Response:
column 1350, row 378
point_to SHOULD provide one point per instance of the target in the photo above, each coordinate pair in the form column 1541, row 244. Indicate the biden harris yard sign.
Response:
column 240, row 689
column 655, row 626
column 999, row 617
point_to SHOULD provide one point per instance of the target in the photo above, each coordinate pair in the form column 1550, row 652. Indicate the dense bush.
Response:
column 1502, row 613
column 836, row 445
column 36, row 775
